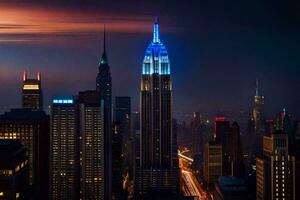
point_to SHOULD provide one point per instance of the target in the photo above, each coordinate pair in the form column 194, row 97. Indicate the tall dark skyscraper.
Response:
column 235, row 151
column 32, row 95
column 64, row 149
column 122, row 117
column 91, row 145
column 197, row 142
column 103, row 86
column 157, row 170
column 222, row 129
column 258, row 108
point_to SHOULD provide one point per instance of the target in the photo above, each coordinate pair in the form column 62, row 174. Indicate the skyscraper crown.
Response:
column 156, row 58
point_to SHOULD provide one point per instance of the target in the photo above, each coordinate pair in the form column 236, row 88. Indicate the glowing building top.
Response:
column 156, row 58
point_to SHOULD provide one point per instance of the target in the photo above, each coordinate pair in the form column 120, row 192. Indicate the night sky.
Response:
column 217, row 49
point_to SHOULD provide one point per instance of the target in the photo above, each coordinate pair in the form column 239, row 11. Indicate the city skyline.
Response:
column 202, row 106
column 223, row 51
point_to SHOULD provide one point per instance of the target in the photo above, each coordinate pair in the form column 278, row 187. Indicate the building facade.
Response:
column 91, row 145
column 14, row 170
column 213, row 163
column 32, row 128
column 158, row 167
column 32, row 95
column 275, row 169
column 64, row 149
column 236, row 162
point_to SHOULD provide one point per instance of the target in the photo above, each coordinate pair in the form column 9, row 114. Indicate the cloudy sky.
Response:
column 217, row 49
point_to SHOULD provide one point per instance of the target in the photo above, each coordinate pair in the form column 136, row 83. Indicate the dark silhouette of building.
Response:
column 197, row 139
column 213, row 163
column 158, row 167
column 32, row 95
column 122, row 116
column 91, row 145
column 222, row 129
column 117, row 162
column 104, row 87
column 235, row 151
column 230, row 188
column 258, row 108
column 32, row 128
column 14, row 170
column 64, row 149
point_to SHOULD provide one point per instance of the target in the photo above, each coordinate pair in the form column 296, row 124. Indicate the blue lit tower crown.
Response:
column 156, row 58
column 158, row 161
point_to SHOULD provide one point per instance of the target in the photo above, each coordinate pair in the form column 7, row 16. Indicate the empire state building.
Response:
column 158, row 163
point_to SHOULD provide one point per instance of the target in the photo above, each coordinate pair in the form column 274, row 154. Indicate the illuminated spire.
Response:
column 104, row 39
column 24, row 75
column 39, row 76
column 104, row 57
column 156, row 31
column 257, row 87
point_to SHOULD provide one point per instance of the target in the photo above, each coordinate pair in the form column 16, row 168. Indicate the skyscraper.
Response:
column 213, row 162
column 275, row 169
column 91, row 145
column 32, row 128
column 197, row 142
column 157, row 170
column 32, row 96
column 222, row 129
column 258, row 108
column 122, row 117
column 64, row 149
column 103, row 86
column 235, row 151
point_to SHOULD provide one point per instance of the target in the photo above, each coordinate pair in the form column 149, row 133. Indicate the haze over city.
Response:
column 216, row 49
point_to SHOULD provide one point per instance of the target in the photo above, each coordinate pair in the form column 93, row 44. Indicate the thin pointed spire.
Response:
column 24, row 75
column 104, row 39
column 156, row 31
column 257, row 87
column 103, row 59
column 39, row 76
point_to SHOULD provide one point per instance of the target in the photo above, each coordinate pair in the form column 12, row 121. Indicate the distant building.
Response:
column 275, row 169
column 212, row 162
column 230, row 188
column 91, row 145
column 158, row 168
column 236, row 162
column 14, row 181
column 32, row 128
column 222, row 130
column 32, row 95
column 197, row 140
column 258, row 108
column 64, row 149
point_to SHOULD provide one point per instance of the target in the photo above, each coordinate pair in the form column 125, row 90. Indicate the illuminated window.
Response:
column 17, row 168
column 17, row 195
column 1, row 193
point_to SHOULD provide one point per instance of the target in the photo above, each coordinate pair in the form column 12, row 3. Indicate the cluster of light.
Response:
column 63, row 101
column 31, row 87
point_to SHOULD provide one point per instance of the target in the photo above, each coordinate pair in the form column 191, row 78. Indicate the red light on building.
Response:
column 219, row 119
